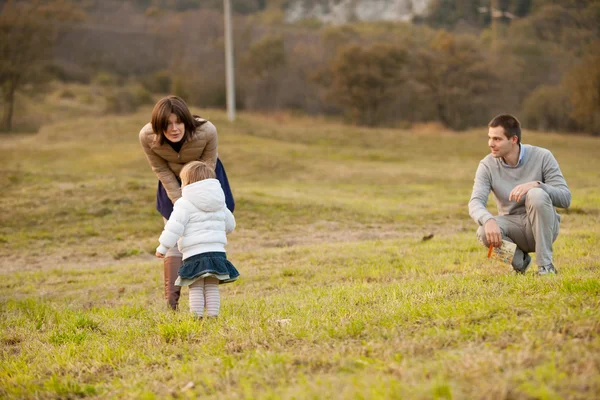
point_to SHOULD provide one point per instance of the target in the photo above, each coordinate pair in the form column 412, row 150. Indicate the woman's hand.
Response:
column 160, row 255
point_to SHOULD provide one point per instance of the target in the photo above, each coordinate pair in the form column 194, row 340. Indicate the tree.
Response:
column 583, row 84
column 547, row 108
column 458, row 78
column 265, row 56
column 28, row 32
column 264, row 64
column 362, row 79
column 568, row 25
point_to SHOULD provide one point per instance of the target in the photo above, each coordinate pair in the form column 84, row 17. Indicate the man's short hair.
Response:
column 511, row 125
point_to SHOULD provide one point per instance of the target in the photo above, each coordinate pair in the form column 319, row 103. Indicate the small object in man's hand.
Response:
column 504, row 253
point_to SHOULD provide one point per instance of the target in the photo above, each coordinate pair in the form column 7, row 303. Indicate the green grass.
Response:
column 339, row 295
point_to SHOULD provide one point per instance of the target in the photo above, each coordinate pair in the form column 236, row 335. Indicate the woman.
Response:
column 173, row 138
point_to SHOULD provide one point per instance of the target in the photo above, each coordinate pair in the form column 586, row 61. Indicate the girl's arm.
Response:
column 173, row 229
column 229, row 221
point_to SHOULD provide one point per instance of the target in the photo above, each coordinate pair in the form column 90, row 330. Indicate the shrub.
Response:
column 87, row 99
column 105, row 79
column 68, row 72
column 67, row 94
column 454, row 73
column 179, row 88
column 142, row 95
column 364, row 92
column 121, row 101
column 158, row 82
column 582, row 84
column 547, row 108
column 212, row 94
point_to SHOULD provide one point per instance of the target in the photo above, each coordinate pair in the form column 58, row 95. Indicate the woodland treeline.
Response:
column 459, row 65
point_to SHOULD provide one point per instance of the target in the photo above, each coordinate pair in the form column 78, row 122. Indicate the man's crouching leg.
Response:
column 544, row 222
column 521, row 260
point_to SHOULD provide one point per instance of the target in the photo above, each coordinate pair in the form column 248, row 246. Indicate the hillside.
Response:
column 440, row 68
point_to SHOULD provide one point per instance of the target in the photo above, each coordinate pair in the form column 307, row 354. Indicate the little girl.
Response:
column 199, row 224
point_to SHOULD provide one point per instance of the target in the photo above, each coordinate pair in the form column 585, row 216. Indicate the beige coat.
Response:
column 167, row 163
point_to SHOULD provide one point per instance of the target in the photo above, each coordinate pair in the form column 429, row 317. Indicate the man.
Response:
column 527, row 184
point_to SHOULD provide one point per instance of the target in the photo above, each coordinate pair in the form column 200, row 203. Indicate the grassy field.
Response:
column 340, row 296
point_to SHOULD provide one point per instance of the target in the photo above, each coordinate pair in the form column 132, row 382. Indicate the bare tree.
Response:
column 28, row 32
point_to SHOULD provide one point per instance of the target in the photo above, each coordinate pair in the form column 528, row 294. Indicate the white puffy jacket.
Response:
column 199, row 222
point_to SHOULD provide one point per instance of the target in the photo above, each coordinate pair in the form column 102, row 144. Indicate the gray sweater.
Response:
column 537, row 164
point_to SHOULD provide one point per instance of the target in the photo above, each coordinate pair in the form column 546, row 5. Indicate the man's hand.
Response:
column 521, row 190
column 160, row 255
column 493, row 234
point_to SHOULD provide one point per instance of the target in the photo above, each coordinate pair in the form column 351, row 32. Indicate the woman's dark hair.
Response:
column 173, row 105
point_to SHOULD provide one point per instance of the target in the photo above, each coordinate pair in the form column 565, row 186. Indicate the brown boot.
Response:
column 172, row 292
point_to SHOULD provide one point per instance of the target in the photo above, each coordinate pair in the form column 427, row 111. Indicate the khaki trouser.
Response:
column 534, row 231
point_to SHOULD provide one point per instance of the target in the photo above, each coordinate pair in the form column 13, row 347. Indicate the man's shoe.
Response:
column 526, row 264
column 547, row 270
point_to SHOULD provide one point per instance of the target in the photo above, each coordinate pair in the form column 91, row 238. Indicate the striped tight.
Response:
column 197, row 297
column 205, row 293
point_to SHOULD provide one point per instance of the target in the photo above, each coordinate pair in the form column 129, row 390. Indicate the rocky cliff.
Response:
column 342, row 11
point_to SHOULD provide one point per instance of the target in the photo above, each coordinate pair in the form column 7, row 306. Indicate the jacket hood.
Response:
column 206, row 195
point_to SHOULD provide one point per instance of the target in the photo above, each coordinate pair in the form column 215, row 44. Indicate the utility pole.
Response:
column 498, row 21
column 494, row 21
column 229, row 69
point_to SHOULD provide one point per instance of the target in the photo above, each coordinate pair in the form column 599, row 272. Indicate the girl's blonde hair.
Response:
column 195, row 171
